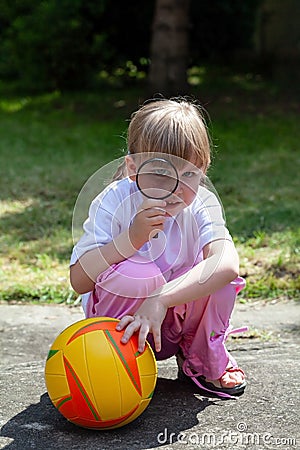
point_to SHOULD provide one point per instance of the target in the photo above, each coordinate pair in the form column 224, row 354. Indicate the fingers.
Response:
column 149, row 218
column 132, row 325
column 156, row 215
column 157, row 339
column 157, row 221
column 153, row 203
column 153, row 209
column 152, row 214
column 143, row 333
column 126, row 320
column 154, row 220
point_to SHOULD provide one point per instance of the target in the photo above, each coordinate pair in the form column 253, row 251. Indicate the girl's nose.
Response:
column 179, row 188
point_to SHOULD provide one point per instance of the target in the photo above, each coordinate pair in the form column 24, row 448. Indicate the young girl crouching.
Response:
column 159, row 257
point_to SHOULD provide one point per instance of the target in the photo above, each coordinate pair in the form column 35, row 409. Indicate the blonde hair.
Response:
column 175, row 126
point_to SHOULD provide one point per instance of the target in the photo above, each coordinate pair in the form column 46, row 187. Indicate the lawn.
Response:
column 51, row 144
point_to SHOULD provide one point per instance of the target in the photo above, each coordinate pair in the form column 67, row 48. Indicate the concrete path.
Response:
column 267, row 416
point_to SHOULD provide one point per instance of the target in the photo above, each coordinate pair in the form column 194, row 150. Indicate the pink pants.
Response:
column 198, row 328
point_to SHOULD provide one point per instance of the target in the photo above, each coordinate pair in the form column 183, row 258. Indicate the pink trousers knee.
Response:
column 198, row 328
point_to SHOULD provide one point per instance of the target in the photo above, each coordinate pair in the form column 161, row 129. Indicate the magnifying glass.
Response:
column 157, row 178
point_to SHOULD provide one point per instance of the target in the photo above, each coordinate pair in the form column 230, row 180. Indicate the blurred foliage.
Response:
column 50, row 44
column 77, row 44
column 220, row 28
column 52, row 143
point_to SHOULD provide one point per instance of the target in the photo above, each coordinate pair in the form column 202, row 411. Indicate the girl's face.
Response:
column 189, row 177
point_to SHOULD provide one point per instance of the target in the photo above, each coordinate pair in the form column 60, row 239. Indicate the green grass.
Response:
column 255, row 130
column 51, row 144
column 256, row 174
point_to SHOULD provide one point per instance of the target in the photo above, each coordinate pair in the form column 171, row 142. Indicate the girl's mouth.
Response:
column 173, row 201
column 174, row 204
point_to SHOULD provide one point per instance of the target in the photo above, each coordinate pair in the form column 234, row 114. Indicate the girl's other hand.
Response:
column 147, row 319
column 149, row 219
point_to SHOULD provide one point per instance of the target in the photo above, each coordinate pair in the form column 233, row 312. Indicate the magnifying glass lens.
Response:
column 157, row 178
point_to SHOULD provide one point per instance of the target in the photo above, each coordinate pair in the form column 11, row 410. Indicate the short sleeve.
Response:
column 109, row 214
column 210, row 218
column 99, row 229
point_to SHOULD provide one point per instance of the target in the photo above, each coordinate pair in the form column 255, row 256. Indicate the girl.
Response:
column 167, row 267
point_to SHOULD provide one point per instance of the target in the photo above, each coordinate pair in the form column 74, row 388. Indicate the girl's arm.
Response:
column 84, row 273
column 148, row 221
column 220, row 267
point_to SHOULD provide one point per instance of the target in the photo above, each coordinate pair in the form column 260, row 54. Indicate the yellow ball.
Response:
column 94, row 380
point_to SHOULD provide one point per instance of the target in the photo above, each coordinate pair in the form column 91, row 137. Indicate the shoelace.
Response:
column 230, row 330
column 216, row 392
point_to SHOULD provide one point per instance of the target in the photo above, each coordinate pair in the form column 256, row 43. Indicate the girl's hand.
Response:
column 149, row 219
column 147, row 319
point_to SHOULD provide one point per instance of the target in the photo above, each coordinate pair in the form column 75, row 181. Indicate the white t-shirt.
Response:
column 178, row 246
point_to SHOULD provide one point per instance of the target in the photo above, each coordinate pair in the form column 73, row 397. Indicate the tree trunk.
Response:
column 170, row 48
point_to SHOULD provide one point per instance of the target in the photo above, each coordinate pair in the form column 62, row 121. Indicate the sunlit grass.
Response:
column 270, row 264
column 255, row 172
column 13, row 105
column 51, row 144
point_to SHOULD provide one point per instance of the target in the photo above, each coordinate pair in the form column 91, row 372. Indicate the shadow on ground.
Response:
column 174, row 407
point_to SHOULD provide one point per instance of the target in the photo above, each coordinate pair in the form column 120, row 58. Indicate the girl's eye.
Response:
column 164, row 172
column 188, row 174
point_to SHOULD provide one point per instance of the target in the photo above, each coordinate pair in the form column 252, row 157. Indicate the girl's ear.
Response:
column 131, row 167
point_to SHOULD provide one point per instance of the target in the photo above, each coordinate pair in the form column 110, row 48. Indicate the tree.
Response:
column 91, row 42
column 169, row 49
column 277, row 39
column 63, row 56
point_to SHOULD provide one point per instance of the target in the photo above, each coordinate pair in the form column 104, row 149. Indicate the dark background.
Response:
column 83, row 44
